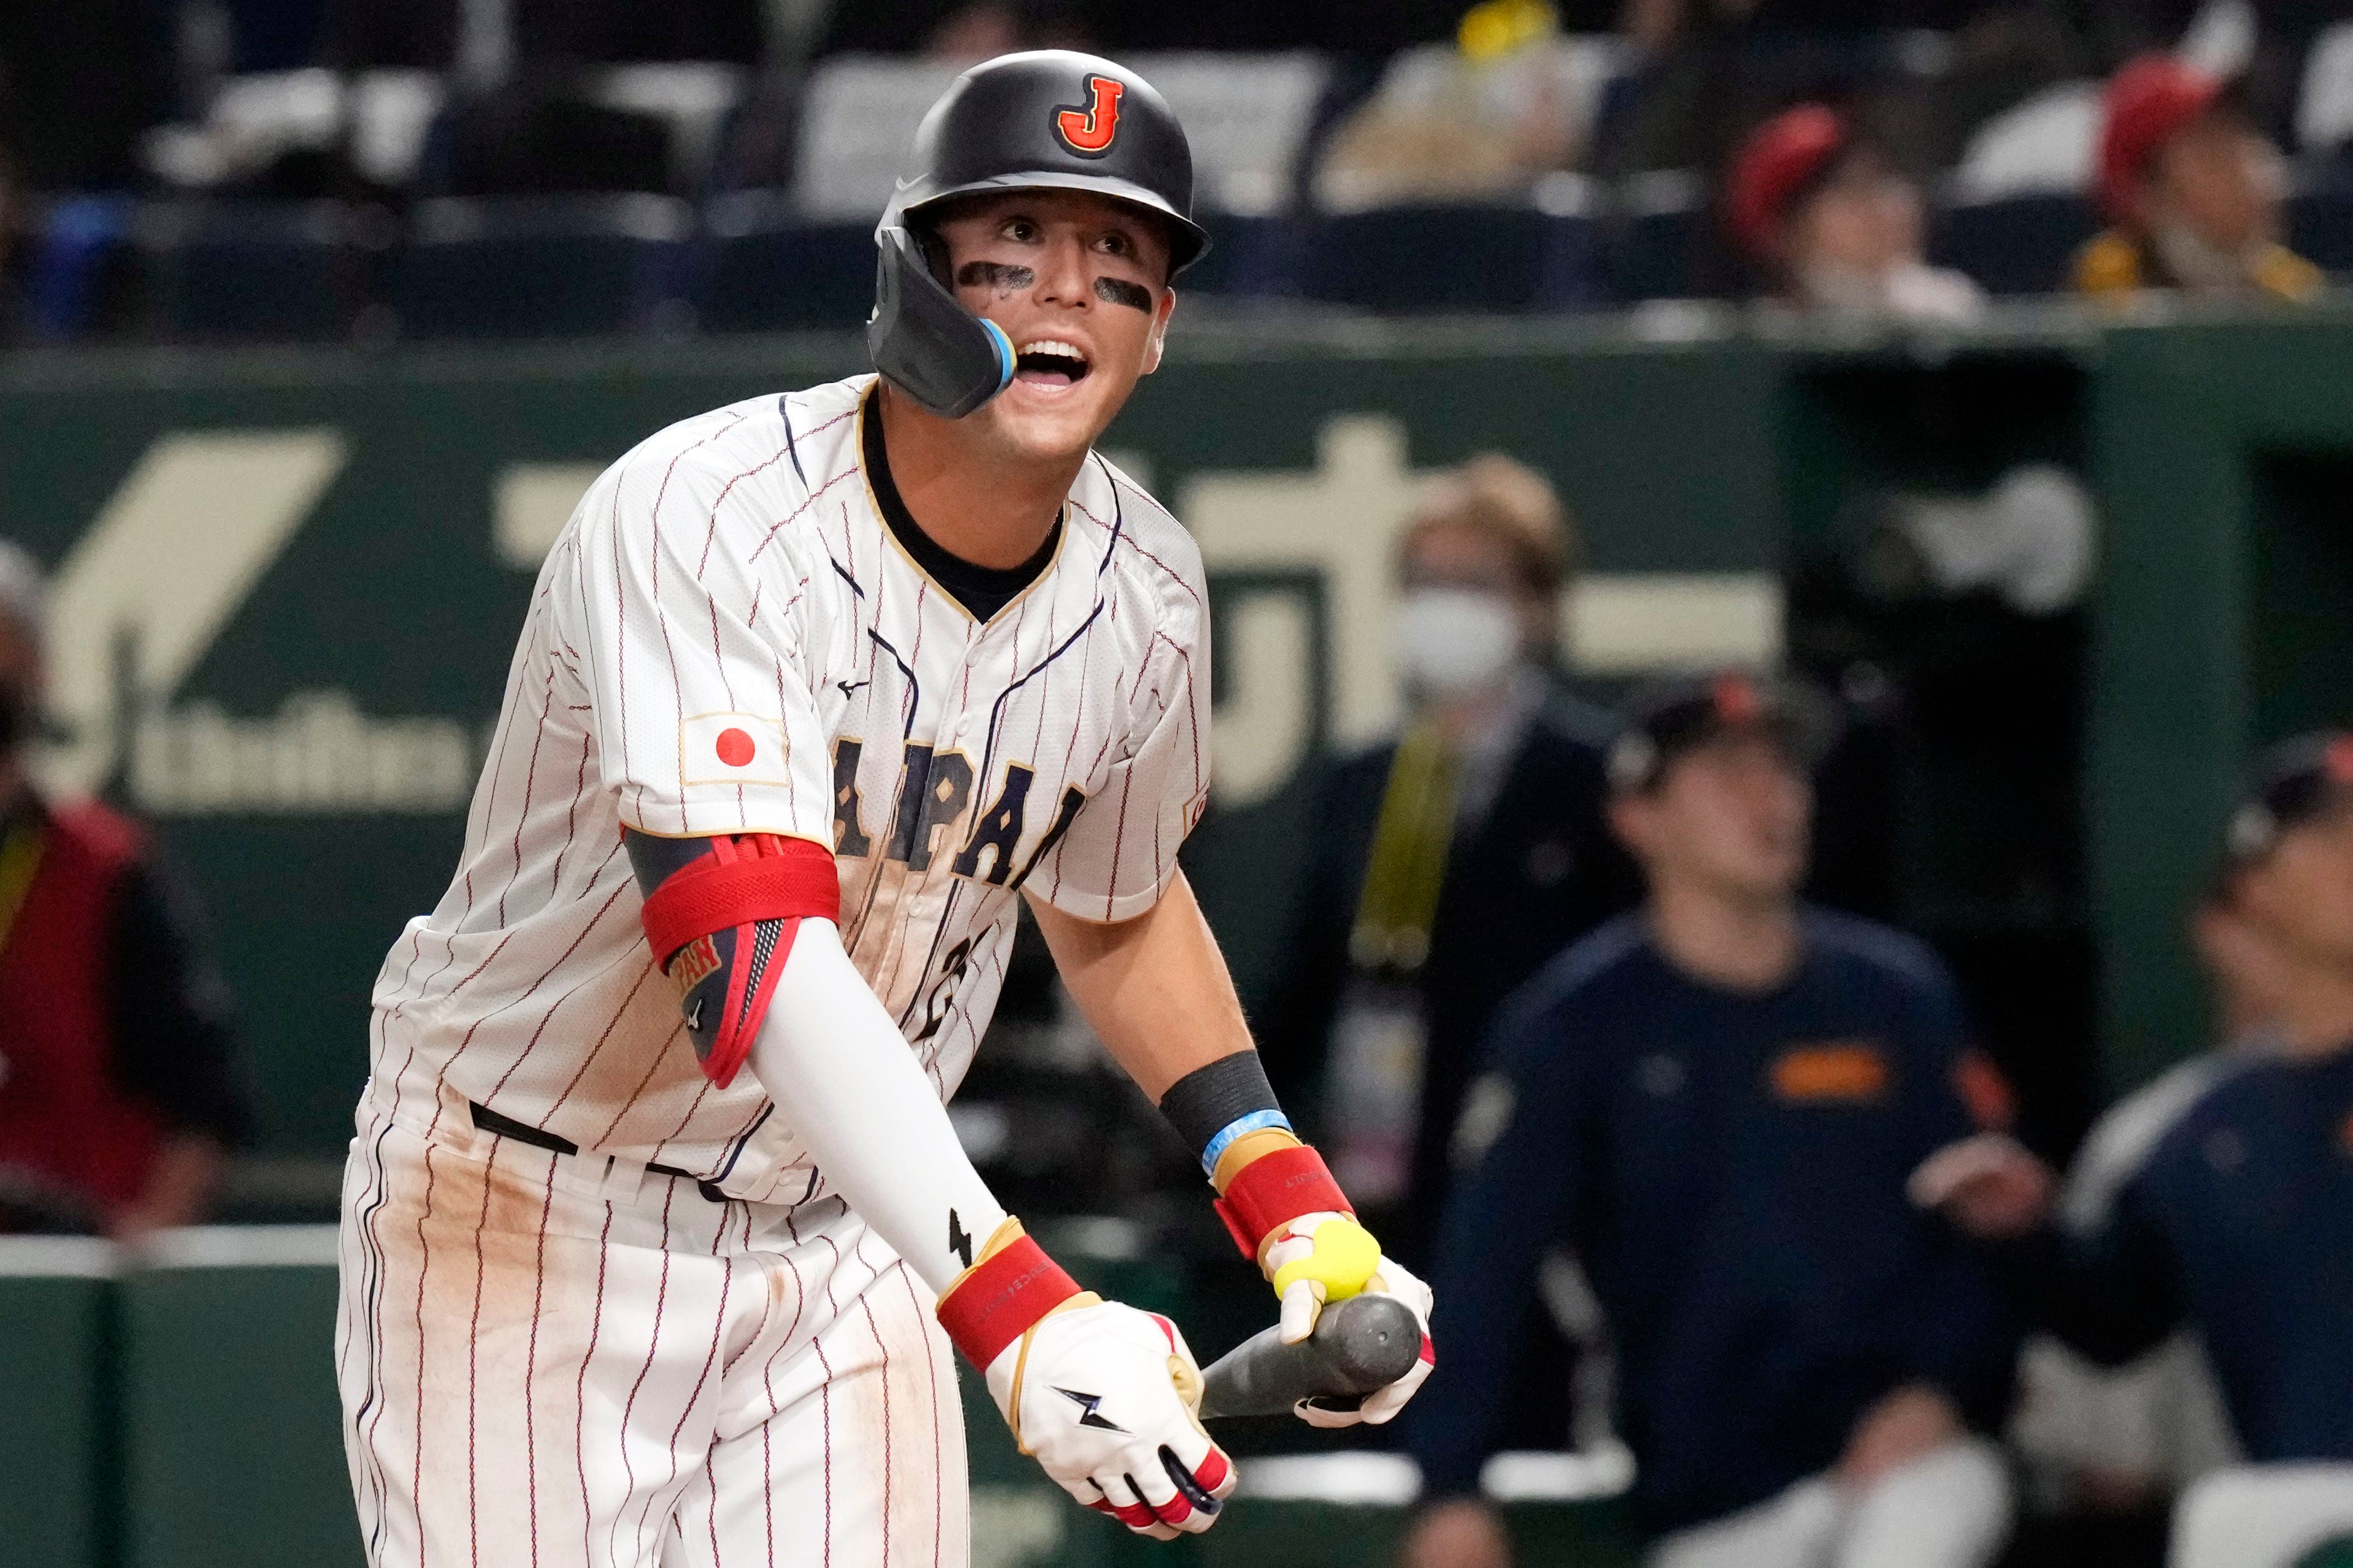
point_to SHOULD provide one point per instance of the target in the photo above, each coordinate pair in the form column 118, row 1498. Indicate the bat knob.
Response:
column 1360, row 1344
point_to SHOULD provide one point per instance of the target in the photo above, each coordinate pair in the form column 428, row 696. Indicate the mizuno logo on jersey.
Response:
column 934, row 797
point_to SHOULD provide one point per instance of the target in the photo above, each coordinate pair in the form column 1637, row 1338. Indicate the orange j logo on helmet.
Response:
column 1088, row 131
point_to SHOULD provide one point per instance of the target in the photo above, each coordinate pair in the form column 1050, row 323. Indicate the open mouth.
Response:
column 1051, row 362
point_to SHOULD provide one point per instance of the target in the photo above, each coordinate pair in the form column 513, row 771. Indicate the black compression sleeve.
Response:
column 1210, row 1100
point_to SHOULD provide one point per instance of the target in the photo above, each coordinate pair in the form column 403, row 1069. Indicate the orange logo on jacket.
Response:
column 1088, row 131
column 1837, row 1070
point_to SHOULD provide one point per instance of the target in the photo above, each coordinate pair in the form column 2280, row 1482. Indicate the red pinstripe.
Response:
column 794, row 516
column 529, row 783
column 530, row 1368
column 653, row 1343
column 712, row 532
column 424, row 1265
column 644, row 975
column 571, row 816
column 473, row 1356
column 883, row 1377
column 718, row 1332
column 603, row 910
column 932, row 1390
column 580, row 1390
column 825, row 1393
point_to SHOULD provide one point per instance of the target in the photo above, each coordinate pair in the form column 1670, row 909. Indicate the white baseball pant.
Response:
column 547, row 1362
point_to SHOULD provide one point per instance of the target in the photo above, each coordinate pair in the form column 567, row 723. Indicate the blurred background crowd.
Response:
column 309, row 169
column 1723, row 1047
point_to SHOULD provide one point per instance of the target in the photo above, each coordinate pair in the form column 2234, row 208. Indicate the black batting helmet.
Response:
column 1044, row 120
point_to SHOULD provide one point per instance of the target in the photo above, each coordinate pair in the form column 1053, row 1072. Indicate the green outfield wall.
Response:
column 288, row 585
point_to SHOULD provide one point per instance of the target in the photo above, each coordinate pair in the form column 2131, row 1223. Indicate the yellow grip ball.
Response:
column 1343, row 1261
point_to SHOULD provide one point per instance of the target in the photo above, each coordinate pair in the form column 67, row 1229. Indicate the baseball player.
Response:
column 656, row 1234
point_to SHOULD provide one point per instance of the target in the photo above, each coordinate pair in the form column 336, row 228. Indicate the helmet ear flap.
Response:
column 938, row 353
column 935, row 252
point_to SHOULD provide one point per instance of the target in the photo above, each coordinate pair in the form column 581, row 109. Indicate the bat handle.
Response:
column 1360, row 1344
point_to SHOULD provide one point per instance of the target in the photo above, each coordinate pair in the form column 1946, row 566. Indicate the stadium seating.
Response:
column 261, row 269
column 539, row 267
column 2013, row 245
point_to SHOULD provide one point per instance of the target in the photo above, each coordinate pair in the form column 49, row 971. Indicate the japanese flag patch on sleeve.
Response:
column 731, row 749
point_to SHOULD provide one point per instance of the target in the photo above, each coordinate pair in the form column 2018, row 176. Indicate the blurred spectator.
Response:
column 610, row 31
column 1834, row 225
column 1446, row 864
column 118, row 1100
column 1715, row 1103
column 2224, row 1200
column 2192, row 192
column 2107, row 1448
column 954, row 32
column 1492, row 116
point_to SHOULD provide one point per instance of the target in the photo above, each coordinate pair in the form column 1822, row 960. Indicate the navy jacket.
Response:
column 2223, row 1195
column 1730, row 1169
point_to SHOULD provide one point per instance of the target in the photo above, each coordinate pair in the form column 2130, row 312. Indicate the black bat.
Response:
column 1360, row 1344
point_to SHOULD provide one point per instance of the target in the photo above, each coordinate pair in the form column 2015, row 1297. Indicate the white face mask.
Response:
column 1451, row 641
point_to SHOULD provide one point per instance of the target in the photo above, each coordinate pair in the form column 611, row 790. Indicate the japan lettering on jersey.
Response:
column 727, row 638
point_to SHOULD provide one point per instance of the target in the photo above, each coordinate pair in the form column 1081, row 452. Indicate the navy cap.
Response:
column 2291, row 783
column 1675, row 717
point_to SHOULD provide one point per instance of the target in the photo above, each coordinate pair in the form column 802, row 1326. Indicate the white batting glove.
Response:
column 1326, row 1257
column 1104, row 1397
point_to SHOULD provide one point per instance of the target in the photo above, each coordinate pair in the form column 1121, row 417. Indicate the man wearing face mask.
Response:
column 1449, row 863
column 1715, row 1101
column 117, row 1095
column 2193, row 191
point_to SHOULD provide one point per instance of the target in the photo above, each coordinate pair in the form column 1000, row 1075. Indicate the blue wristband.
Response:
column 1242, row 1126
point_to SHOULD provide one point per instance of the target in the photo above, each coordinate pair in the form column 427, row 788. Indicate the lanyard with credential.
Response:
column 20, row 857
column 1407, row 868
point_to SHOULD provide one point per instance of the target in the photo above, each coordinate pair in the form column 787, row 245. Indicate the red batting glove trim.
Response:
column 1001, row 1299
column 1275, row 1189
column 760, row 876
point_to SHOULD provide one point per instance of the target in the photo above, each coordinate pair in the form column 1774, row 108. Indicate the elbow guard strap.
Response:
column 720, row 915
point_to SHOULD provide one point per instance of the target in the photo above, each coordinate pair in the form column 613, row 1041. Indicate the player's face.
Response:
column 1080, row 285
column 2302, row 892
column 1731, row 815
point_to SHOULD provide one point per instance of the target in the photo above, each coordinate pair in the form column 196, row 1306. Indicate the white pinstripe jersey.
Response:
column 727, row 638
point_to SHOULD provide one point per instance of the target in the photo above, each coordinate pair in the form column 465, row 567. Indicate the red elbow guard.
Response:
column 1275, row 1189
column 722, row 925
